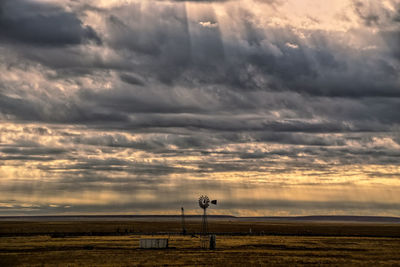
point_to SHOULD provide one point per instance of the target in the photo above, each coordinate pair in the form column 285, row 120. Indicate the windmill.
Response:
column 204, row 203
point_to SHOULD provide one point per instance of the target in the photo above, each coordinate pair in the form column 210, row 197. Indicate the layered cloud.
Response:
column 140, row 106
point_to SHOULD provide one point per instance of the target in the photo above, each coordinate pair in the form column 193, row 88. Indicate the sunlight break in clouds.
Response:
column 272, row 107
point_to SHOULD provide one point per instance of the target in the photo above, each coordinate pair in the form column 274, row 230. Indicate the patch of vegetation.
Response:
column 61, row 247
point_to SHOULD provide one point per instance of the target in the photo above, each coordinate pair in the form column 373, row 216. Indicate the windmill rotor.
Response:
column 183, row 221
column 204, row 202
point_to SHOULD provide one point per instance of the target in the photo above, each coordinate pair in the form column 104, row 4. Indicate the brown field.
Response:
column 99, row 243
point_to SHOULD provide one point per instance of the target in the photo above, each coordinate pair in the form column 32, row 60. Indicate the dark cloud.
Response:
column 197, row 1
column 41, row 24
column 366, row 13
column 396, row 18
column 131, row 79
column 165, row 97
column 27, row 158
column 161, row 38
column 392, row 39
column 33, row 151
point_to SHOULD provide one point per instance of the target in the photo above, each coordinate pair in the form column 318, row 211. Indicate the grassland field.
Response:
column 116, row 243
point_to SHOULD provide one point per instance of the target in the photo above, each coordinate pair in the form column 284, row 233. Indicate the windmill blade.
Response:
column 204, row 202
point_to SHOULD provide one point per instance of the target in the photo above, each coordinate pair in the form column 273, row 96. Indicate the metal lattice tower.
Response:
column 204, row 203
column 204, row 224
column 183, row 221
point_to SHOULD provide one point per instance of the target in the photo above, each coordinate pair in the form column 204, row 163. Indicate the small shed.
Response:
column 154, row 243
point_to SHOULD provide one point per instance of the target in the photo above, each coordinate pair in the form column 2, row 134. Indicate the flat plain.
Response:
column 116, row 243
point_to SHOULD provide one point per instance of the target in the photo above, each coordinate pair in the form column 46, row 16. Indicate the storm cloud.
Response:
column 142, row 100
column 41, row 24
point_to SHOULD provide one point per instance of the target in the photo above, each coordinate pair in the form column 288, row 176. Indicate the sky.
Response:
column 273, row 107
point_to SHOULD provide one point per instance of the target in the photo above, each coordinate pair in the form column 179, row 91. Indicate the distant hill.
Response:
column 335, row 218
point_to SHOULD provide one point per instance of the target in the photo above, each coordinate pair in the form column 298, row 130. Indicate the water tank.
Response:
column 154, row 243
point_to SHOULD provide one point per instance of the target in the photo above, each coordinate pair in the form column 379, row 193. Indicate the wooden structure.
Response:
column 154, row 243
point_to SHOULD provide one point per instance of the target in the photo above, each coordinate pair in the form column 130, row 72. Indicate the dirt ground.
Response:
column 123, row 249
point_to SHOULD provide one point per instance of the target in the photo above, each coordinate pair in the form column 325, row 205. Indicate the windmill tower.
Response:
column 204, row 203
column 183, row 221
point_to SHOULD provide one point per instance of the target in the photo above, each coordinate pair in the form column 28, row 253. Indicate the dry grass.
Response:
column 222, row 227
column 39, row 250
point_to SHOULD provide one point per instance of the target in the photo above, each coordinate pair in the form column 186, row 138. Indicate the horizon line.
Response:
column 197, row 215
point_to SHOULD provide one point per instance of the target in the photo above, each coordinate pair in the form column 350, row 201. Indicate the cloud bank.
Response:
column 273, row 107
